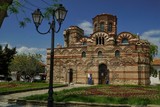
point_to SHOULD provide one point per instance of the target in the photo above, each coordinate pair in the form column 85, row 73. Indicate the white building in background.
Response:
column 156, row 65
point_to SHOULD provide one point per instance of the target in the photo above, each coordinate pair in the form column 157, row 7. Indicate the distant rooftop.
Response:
column 156, row 62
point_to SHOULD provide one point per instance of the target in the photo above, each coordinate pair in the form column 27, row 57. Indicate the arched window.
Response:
column 124, row 41
column 99, row 40
column 117, row 53
column 96, row 40
column 103, row 40
column 99, row 53
column 95, row 27
column 101, row 26
column 110, row 27
column 84, row 43
column 83, row 54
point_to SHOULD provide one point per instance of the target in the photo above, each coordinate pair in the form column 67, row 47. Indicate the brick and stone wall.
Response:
column 118, row 59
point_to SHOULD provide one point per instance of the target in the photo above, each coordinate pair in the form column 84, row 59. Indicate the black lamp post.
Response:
column 59, row 14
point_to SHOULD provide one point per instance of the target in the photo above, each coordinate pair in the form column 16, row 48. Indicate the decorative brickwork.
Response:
column 104, row 56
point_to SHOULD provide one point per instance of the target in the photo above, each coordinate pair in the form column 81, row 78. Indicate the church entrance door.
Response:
column 70, row 76
column 103, row 74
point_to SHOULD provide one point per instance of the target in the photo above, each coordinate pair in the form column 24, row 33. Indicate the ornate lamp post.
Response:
column 59, row 14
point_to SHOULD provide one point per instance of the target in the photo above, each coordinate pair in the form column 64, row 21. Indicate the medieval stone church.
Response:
column 103, row 57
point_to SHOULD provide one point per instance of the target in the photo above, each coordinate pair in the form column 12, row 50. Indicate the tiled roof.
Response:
column 156, row 61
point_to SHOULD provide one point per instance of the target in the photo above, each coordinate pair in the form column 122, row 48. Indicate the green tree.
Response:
column 153, row 52
column 4, row 4
column 27, row 66
column 17, row 6
column 6, row 55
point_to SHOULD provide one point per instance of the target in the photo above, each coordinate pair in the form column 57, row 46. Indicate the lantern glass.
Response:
column 37, row 17
column 60, row 13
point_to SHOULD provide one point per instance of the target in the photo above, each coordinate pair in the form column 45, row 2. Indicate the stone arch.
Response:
column 101, row 61
column 58, row 62
column 57, row 52
column 99, row 49
column 102, row 21
column 117, row 48
column 128, row 50
column 99, row 34
column 123, row 35
column 74, row 51
column 84, row 39
column 115, row 62
column 128, row 61
column 88, row 61
column 103, row 74
column 111, row 21
column 80, row 62
column 65, row 52
column 69, row 62
column 83, row 50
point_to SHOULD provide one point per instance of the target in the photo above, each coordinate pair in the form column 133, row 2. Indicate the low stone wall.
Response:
column 30, row 103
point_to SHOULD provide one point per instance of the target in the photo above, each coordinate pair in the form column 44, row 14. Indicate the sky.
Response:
column 140, row 17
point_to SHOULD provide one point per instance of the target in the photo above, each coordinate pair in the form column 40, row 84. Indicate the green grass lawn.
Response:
column 109, row 94
column 7, row 87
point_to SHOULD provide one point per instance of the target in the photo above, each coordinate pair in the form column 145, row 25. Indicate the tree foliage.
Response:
column 4, row 4
column 153, row 52
column 17, row 6
column 27, row 66
column 6, row 55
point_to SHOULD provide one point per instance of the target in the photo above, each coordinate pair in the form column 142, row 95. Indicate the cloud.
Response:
column 27, row 50
column 87, row 27
column 152, row 33
column 152, row 36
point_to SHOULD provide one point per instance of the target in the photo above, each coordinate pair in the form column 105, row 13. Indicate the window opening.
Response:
column 124, row 41
column 103, row 40
column 85, row 43
column 99, row 53
column 117, row 53
column 83, row 54
column 96, row 40
column 110, row 27
column 99, row 40
column 102, row 26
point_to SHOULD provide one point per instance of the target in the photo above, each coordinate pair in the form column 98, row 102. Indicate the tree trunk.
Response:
column 3, row 9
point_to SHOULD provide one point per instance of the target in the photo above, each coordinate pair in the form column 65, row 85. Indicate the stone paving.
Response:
column 4, row 98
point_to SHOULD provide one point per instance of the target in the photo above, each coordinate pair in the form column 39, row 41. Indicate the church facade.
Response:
column 103, row 57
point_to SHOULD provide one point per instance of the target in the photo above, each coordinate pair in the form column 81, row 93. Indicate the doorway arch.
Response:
column 103, row 74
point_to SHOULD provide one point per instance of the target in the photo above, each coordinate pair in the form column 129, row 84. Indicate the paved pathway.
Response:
column 4, row 98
